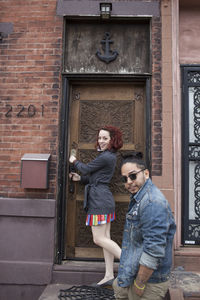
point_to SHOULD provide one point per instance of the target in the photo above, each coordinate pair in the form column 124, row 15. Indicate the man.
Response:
column 146, row 257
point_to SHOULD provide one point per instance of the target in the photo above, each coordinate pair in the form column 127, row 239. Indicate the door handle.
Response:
column 72, row 169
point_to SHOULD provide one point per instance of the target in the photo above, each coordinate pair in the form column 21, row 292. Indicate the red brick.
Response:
column 30, row 61
column 31, row 65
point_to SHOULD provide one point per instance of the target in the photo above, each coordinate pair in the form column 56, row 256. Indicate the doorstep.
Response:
column 188, row 258
column 80, row 272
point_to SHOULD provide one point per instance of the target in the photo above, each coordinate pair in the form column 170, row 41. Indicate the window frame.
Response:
column 188, row 149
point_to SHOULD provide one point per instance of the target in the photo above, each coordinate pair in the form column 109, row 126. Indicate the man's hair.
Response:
column 135, row 158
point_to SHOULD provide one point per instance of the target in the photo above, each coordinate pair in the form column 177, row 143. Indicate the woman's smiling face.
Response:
column 104, row 139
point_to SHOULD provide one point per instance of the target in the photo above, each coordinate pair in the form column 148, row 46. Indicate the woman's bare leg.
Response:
column 109, row 266
column 109, row 259
column 101, row 237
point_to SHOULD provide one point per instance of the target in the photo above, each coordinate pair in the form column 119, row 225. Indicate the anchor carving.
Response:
column 109, row 55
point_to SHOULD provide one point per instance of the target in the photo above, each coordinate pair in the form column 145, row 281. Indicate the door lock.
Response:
column 71, row 183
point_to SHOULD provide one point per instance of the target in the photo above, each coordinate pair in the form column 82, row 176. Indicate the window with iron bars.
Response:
column 191, row 155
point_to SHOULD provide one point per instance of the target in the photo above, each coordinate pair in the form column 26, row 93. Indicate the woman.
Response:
column 98, row 202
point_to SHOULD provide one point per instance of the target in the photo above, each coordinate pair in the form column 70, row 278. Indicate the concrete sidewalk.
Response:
column 188, row 282
column 52, row 291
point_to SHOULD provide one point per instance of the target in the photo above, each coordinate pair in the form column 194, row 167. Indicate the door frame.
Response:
column 67, row 80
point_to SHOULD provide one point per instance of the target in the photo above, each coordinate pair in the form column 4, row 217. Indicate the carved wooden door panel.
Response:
column 93, row 105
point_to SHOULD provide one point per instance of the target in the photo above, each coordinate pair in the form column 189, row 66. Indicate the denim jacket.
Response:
column 148, row 236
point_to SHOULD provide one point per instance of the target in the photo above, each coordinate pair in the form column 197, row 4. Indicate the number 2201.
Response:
column 22, row 111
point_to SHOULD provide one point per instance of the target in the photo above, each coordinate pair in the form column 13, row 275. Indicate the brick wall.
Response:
column 30, row 62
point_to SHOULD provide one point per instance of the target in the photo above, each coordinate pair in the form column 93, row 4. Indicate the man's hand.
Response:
column 138, row 287
column 143, row 276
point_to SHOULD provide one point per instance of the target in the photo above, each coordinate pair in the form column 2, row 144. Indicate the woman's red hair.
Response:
column 116, row 137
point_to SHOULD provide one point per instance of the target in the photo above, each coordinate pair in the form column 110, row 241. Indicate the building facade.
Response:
column 68, row 68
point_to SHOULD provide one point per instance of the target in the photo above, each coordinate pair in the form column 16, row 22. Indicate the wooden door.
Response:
column 93, row 105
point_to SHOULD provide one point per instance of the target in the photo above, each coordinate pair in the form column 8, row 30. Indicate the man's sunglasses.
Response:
column 132, row 176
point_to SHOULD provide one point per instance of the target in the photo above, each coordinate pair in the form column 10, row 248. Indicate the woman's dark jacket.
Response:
column 97, row 175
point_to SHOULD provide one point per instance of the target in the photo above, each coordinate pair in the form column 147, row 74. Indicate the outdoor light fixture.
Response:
column 105, row 9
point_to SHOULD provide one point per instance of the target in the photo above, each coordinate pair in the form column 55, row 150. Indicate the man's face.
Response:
column 133, row 186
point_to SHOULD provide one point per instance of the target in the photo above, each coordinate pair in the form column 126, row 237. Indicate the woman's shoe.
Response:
column 107, row 283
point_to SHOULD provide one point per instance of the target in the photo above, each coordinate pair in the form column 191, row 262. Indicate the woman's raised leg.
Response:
column 101, row 237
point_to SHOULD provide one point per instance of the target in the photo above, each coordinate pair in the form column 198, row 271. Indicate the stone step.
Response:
column 79, row 272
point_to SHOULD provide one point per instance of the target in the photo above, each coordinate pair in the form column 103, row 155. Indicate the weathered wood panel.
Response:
column 131, row 40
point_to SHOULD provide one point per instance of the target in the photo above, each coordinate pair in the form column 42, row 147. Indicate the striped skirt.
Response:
column 94, row 220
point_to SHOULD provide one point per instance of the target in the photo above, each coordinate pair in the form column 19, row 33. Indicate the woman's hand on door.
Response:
column 74, row 176
column 72, row 159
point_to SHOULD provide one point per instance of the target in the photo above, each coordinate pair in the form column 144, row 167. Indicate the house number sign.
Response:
column 22, row 111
